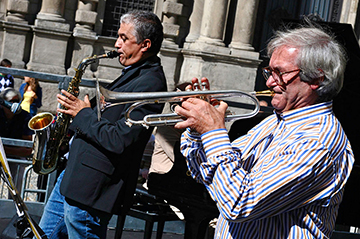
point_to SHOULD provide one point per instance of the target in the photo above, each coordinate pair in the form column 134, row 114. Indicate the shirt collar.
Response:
column 305, row 113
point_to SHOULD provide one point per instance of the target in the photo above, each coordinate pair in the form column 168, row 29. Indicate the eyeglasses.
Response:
column 276, row 74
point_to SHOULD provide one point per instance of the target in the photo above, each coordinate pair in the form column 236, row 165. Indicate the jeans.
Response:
column 62, row 218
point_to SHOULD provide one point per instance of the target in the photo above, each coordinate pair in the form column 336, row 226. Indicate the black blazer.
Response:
column 105, row 155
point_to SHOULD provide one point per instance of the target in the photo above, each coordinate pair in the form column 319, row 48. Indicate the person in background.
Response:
column 32, row 95
column 6, row 80
column 163, row 143
column 285, row 178
column 15, row 126
column 104, row 157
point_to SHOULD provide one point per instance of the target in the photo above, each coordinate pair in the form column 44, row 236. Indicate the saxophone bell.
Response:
column 41, row 124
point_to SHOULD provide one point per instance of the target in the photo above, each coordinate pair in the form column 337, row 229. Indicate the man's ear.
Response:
column 315, row 85
column 145, row 45
column 316, row 82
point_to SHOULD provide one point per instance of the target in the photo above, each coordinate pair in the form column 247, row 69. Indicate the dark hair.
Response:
column 34, row 83
column 6, row 63
column 147, row 26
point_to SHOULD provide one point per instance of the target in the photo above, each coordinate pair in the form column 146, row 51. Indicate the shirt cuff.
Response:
column 193, row 135
column 216, row 142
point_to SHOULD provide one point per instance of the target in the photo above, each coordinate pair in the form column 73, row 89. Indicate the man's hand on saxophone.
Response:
column 73, row 104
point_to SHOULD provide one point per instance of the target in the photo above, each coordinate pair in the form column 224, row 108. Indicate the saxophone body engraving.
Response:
column 50, row 134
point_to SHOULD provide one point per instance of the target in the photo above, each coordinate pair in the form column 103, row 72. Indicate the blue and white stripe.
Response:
column 284, row 179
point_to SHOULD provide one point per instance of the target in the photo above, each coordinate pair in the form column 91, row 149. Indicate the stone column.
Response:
column 244, row 24
column 15, row 32
column 85, row 18
column 195, row 21
column 84, row 34
column 171, row 10
column 349, row 12
column 17, row 10
column 51, row 35
column 51, row 15
column 212, row 28
column 213, row 22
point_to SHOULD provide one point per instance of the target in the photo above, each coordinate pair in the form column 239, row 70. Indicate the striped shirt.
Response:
column 284, row 179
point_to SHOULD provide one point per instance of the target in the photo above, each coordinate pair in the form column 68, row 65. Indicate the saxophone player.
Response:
column 104, row 157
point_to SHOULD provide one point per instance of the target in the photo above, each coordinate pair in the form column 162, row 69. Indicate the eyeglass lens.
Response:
column 267, row 72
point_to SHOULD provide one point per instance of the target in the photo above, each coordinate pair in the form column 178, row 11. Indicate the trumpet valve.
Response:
column 205, row 84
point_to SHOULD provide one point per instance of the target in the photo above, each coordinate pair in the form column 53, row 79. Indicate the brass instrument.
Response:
column 21, row 209
column 50, row 133
column 143, row 98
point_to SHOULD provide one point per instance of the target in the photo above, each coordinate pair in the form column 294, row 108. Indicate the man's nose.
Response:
column 118, row 43
column 270, row 82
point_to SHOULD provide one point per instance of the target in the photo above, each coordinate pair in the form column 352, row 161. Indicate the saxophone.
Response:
column 50, row 133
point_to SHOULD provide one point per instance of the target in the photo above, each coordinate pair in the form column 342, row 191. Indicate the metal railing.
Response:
column 63, row 80
column 34, row 197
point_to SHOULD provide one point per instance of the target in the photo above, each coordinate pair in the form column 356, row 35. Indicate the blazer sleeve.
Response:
column 115, row 136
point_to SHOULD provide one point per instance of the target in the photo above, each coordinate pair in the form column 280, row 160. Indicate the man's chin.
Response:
column 275, row 105
column 123, row 63
column 122, row 59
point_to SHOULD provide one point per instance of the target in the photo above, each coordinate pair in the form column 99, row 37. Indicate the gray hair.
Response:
column 147, row 26
column 319, row 55
column 9, row 93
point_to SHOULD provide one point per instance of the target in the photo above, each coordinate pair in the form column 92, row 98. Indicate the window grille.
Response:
column 116, row 8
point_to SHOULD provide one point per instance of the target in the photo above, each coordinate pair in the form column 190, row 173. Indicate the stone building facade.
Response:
column 220, row 39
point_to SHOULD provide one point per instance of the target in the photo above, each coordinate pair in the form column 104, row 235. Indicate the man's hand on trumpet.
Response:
column 73, row 104
column 201, row 115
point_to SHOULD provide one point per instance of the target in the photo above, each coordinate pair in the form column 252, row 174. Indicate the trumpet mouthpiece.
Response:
column 269, row 93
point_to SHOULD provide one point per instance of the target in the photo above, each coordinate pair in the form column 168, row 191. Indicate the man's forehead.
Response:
column 292, row 50
column 284, row 54
column 286, row 50
column 126, row 29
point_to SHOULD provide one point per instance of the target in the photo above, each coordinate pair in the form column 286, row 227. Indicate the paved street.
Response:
column 140, row 235
column 127, row 234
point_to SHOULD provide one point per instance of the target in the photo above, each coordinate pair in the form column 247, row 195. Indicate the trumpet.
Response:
column 143, row 98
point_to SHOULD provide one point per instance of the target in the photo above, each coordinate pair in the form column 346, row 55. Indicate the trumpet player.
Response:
column 285, row 178
column 104, row 157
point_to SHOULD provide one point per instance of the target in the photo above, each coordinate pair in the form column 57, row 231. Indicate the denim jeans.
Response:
column 63, row 219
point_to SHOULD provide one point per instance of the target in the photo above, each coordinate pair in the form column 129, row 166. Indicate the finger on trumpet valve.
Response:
column 196, row 87
column 195, row 84
column 205, row 84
